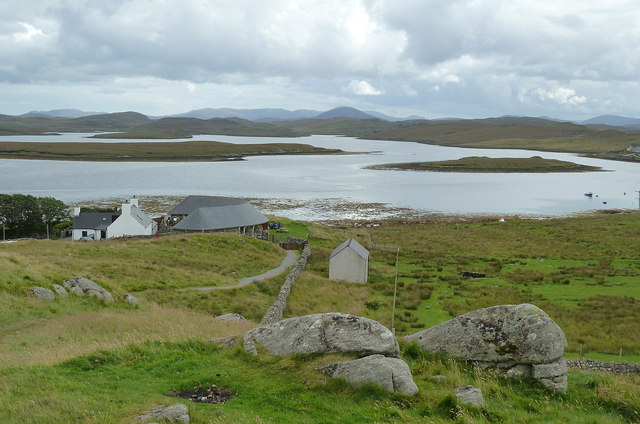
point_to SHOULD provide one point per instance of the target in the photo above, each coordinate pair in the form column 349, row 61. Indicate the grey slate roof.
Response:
column 357, row 247
column 140, row 216
column 222, row 217
column 192, row 203
column 95, row 220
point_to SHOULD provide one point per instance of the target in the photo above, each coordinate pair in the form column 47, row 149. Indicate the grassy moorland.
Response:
column 486, row 164
column 152, row 151
column 583, row 271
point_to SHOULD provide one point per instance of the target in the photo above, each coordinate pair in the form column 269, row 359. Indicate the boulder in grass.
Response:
column 131, row 299
column 390, row 373
column 42, row 293
column 518, row 340
column 88, row 287
column 469, row 395
column 232, row 317
column 61, row 291
column 323, row 333
column 178, row 412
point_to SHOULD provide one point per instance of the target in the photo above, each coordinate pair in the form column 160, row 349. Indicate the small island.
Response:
column 153, row 151
column 483, row 164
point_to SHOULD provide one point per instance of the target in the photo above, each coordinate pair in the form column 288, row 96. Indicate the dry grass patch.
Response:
column 57, row 339
column 314, row 294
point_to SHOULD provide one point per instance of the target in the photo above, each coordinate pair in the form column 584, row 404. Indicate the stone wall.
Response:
column 610, row 367
column 275, row 311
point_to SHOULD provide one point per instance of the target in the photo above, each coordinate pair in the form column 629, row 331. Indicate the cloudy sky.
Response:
column 434, row 58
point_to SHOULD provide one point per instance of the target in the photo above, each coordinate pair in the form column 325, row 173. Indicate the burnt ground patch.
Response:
column 204, row 394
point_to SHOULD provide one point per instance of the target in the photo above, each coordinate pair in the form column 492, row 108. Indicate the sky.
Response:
column 432, row 58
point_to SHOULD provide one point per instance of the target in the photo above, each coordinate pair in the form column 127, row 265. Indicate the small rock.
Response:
column 469, row 395
column 178, row 412
column 42, row 293
column 131, row 299
column 233, row 317
column 559, row 383
column 227, row 342
column 62, row 292
column 440, row 378
column 390, row 373
column 77, row 291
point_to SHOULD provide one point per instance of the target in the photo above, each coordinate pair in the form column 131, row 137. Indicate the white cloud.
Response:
column 561, row 95
column 362, row 88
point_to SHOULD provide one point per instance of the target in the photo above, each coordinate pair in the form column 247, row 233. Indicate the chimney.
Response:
column 126, row 209
column 76, row 211
column 133, row 201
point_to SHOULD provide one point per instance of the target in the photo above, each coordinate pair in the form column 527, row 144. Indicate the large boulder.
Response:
column 518, row 340
column 323, row 333
column 390, row 373
column 77, row 285
column 521, row 334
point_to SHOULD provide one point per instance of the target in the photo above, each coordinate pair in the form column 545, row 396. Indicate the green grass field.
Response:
column 583, row 271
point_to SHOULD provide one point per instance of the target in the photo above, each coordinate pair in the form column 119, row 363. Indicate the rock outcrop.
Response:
column 323, row 333
column 42, row 293
column 390, row 373
column 519, row 340
column 81, row 286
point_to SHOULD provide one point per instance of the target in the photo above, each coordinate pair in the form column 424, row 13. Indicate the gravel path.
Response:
column 289, row 260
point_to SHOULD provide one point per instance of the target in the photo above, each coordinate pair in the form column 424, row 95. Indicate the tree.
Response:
column 21, row 213
column 26, row 215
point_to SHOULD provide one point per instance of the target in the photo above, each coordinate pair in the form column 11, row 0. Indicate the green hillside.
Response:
column 583, row 271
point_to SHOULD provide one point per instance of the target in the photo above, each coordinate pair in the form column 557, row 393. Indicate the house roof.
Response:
column 222, row 217
column 95, row 220
column 192, row 203
column 354, row 245
column 140, row 216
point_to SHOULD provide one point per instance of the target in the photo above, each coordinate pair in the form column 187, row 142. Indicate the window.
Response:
column 84, row 234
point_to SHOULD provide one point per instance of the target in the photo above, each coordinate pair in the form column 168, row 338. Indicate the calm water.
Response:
column 335, row 178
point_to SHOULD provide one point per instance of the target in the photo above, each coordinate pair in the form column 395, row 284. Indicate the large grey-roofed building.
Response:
column 214, row 213
column 191, row 203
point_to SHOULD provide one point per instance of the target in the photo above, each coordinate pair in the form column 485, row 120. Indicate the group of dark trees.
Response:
column 23, row 215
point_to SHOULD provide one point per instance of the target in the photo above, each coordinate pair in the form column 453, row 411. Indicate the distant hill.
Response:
column 263, row 115
column 613, row 120
column 62, row 113
column 345, row 112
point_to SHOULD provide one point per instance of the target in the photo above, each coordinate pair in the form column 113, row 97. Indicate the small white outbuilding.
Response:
column 349, row 262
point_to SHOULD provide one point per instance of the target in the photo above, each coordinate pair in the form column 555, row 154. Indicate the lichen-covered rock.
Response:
column 323, row 333
column 522, row 334
column 232, row 317
column 42, row 293
column 517, row 340
column 61, row 291
column 225, row 342
column 469, row 395
column 88, row 287
column 390, row 373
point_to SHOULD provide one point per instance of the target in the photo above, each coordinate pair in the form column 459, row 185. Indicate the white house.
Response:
column 349, row 262
column 127, row 221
